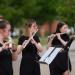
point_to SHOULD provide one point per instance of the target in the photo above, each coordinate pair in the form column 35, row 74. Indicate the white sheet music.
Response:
column 49, row 56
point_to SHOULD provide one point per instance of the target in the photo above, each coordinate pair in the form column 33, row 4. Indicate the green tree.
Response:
column 17, row 11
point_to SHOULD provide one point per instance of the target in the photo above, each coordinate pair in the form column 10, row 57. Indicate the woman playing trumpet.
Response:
column 61, row 64
column 6, row 55
column 29, row 66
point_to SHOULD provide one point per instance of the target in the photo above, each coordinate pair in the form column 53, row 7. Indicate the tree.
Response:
column 18, row 11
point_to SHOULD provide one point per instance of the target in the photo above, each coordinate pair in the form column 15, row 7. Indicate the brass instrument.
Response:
column 10, row 41
column 12, row 44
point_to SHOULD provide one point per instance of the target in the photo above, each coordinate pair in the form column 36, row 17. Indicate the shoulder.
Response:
column 36, row 38
column 21, row 39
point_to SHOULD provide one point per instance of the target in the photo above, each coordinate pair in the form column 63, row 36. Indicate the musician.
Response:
column 61, row 64
column 29, row 65
column 6, row 56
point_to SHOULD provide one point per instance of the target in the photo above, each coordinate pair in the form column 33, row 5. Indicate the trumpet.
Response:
column 26, row 42
column 10, row 41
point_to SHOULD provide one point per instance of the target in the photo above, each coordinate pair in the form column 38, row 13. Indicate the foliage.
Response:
column 17, row 11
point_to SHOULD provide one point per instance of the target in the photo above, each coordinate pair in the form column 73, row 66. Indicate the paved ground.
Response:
column 71, row 53
column 72, row 57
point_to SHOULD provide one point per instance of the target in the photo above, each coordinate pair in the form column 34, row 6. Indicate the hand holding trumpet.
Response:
column 6, row 46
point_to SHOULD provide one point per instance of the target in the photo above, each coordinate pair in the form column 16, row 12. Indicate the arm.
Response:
column 17, row 52
column 50, row 39
column 20, row 46
column 38, row 45
column 49, row 44
column 14, row 52
column 14, row 56
column 19, row 49
column 61, row 40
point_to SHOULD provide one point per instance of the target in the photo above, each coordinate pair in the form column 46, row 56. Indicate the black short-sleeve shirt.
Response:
column 30, row 49
column 56, row 41
column 6, row 62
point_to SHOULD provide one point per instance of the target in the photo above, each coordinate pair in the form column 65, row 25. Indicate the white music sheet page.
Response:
column 49, row 56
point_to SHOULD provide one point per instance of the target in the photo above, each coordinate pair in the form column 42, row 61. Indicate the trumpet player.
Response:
column 5, row 53
column 29, row 66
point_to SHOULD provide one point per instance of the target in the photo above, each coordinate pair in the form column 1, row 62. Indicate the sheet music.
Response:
column 49, row 56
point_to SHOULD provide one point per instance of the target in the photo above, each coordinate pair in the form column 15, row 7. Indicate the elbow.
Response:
column 41, row 50
column 65, row 44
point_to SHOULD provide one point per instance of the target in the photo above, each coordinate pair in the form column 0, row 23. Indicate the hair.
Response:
column 30, row 22
column 59, row 26
column 1, row 17
column 3, row 24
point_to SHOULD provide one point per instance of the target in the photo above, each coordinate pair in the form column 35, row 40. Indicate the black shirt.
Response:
column 56, row 41
column 30, row 51
column 61, row 61
column 6, row 62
